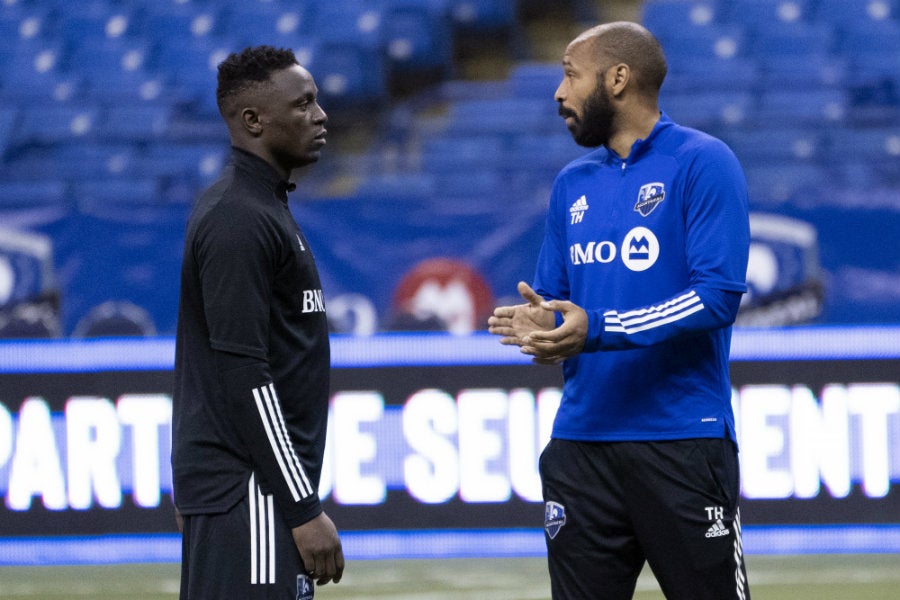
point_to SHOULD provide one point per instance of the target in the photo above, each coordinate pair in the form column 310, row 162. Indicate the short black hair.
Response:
column 250, row 67
column 635, row 46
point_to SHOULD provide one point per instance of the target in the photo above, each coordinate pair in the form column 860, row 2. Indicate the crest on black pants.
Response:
column 305, row 587
column 554, row 518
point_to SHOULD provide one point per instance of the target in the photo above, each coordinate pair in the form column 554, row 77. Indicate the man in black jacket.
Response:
column 252, row 354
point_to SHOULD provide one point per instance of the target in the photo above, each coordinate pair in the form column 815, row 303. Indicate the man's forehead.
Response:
column 579, row 53
column 294, row 77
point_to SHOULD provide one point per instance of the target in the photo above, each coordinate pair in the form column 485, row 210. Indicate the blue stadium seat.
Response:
column 21, row 24
column 168, row 20
column 110, row 56
column 190, row 65
column 701, row 45
column 77, row 161
column 815, row 107
column 708, row 109
column 482, row 15
column 415, row 37
column 117, row 71
column 542, row 151
column 794, row 39
column 871, row 39
column 349, row 21
column 761, row 14
column 449, row 153
column 102, row 194
column 535, row 79
column 873, row 143
column 856, row 13
column 778, row 183
column 277, row 24
column 35, row 70
column 347, row 73
column 397, row 185
column 136, row 123
column 8, row 117
column 671, row 17
column 766, row 145
column 31, row 194
column 503, row 116
column 199, row 164
column 484, row 182
column 734, row 73
column 94, row 21
column 803, row 71
column 48, row 124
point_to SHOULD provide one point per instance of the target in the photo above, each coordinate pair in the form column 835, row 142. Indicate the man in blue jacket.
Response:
column 637, row 285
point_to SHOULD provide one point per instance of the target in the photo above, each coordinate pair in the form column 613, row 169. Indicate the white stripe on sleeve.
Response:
column 654, row 316
column 276, row 431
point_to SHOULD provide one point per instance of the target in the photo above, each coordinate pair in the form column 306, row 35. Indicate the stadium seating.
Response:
column 8, row 118
column 116, row 99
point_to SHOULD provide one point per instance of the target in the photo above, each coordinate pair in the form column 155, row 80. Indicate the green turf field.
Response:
column 819, row 577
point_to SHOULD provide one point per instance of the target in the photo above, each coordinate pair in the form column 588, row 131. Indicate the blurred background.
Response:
column 426, row 208
column 444, row 143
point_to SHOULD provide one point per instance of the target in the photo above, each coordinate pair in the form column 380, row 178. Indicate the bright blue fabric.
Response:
column 654, row 248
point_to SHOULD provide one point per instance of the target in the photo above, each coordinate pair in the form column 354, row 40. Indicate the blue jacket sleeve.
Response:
column 698, row 309
column 717, row 240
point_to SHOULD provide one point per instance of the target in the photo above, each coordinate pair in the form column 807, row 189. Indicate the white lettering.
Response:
column 35, row 468
column 603, row 252
column 6, row 435
column 760, row 478
column 581, row 255
column 480, row 446
column 874, row 403
column 145, row 414
column 432, row 474
column 819, row 443
column 313, row 301
column 93, row 440
column 350, row 409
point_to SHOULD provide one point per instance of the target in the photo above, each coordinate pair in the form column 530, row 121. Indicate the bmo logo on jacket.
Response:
column 313, row 301
column 638, row 251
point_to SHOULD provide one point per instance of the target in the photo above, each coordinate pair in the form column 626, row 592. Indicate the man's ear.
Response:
column 251, row 122
column 621, row 75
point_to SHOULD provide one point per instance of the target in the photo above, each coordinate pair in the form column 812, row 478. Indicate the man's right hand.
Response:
column 320, row 548
column 517, row 322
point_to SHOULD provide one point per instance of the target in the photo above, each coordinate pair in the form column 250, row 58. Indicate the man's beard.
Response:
column 594, row 128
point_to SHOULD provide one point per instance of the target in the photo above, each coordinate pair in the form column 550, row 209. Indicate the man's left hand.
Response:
column 556, row 345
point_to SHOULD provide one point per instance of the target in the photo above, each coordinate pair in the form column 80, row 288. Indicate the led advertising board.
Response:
column 436, row 434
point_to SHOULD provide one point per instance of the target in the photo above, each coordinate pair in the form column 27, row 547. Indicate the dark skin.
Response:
column 628, row 114
column 281, row 122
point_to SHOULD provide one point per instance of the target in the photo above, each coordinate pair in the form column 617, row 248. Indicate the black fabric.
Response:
column 251, row 314
column 673, row 504
column 217, row 559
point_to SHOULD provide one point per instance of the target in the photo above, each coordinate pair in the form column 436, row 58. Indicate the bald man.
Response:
column 637, row 285
column 252, row 354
